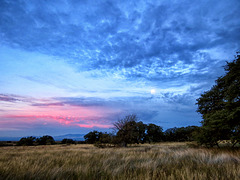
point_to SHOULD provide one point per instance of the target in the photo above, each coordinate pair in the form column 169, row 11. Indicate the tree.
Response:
column 128, row 132
column 220, row 107
column 26, row 141
column 185, row 133
column 170, row 134
column 45, row 140
column 105, row 138
column 92, row 137
column 154, row 133
column 141, row 132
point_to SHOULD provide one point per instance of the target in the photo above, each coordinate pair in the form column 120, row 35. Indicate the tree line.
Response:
column 44, row 140
column 131, row 131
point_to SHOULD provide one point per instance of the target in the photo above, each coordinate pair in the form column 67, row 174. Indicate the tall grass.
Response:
column 157, row 161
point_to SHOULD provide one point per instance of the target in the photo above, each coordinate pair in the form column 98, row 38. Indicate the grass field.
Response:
column 156, row 161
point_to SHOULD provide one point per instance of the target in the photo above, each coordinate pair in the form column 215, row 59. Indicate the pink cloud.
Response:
column 94, row 125
column 48, row 112
column 80, row 121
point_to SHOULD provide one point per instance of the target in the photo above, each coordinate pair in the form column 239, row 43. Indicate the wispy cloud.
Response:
column 86, row 122
column 156, row 35
column 48, row 104
column 4, row 97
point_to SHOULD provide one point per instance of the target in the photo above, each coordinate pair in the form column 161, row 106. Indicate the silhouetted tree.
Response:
column 181, row 134
column 154, row 133
column 26, row 141
column 170, row 134
column 92, row 137
column 127, row 130
column 185, row 133
column 220, row 107
column 141, row 132
column 45, row 140
column 105, row 138
column 68, row 141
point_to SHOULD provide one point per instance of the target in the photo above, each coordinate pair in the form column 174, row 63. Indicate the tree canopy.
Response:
column 127, row 130
column 220, row 107
column 45, row 140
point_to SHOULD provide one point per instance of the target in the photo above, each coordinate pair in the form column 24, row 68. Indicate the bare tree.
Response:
column 126, row 130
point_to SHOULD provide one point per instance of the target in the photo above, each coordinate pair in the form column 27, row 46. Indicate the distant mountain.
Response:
column 75, row 137
column 10, row 138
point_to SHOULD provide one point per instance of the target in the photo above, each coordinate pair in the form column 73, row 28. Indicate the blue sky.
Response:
column 74, row 66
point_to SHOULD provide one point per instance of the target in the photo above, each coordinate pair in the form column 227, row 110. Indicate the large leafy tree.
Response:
column 26, row 141
column 45, row 140
column 220, row 107
column 92, row 137
column 129, row 130
column 141, row 132
column 154, row 133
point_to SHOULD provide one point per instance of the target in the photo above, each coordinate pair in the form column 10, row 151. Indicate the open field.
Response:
column 155, row 161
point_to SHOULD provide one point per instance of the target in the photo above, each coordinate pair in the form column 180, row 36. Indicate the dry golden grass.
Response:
column 156, row 161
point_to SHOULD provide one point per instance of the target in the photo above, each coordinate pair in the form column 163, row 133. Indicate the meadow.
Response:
column 148, row 161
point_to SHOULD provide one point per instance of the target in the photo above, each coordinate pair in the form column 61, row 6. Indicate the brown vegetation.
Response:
column 154, row 161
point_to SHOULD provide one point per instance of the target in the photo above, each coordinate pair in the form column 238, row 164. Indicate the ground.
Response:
column 148, row 161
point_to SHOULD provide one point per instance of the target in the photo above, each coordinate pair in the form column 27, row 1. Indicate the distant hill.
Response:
column 76, row 137
column 10, row 138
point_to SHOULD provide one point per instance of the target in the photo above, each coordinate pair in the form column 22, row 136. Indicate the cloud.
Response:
column 14, row 98
column 69, row 120
column 99, row 112
column 148, row 42
column 132, row 38
column 7, row 98
column 48, row 104
column 81, row 101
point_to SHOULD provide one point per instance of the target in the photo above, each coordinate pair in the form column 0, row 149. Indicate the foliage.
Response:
column 68, row 141
column 26, row 141
column 105, row 138
column 45, row 140
column 128, row 131
column 131, row 131
column 170, row 134
column 154, row 133
column 180, row 134
column 92, row 137
column 141, row 132
column 220, row 107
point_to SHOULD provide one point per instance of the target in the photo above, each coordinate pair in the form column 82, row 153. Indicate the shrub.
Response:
column 68, row 141
column 26, row 141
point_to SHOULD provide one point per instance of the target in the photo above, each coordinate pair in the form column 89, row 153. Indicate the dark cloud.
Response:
column 7, row 98
column 137, row 37
column 12, row 98
column 93, row 101
column 81, row 101
column 47, row 104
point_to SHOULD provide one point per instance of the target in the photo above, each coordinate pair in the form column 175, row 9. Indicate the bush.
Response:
column 45, row 140
column 26, row 141
column 68, row 141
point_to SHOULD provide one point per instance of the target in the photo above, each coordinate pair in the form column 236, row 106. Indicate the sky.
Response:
column 70, row 66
